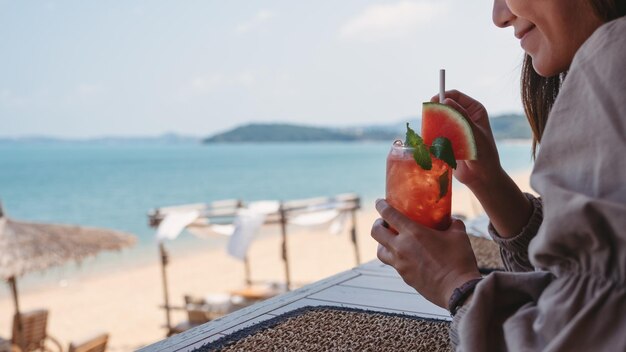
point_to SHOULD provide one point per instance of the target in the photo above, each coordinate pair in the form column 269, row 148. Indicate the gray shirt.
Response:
column 567, row 291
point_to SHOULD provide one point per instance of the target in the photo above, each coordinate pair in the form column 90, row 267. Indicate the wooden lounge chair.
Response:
column 254, row 293
column 33, row 334
column 96, row 343
column 197, row 314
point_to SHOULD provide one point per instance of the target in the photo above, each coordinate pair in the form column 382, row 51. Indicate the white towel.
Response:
column 335, row 218
column 209, row 231
column 339, row 223
column 247, row 224
column 478, row 227
column 314, row 219
column 174, row 223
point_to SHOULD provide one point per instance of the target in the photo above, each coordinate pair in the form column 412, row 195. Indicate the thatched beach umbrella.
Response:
column 26, row 247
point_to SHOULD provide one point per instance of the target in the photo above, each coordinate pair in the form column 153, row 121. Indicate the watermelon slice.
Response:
column 440, row 120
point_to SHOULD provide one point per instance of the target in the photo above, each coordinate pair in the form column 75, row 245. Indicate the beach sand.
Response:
column 125, row 302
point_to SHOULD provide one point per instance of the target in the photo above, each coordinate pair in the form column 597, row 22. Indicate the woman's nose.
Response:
column 502, row 16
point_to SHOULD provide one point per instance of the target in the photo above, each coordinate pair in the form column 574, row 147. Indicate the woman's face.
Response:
column 550, row 31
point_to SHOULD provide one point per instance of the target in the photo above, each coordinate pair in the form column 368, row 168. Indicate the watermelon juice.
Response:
column 416, row 192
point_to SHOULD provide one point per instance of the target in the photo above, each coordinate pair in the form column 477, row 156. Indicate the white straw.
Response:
column 442, row 85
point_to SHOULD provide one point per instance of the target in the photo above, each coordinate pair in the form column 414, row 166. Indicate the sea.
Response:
column 115, row 185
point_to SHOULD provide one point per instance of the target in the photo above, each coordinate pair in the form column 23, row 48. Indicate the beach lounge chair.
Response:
column 198, row 313
column 255, row 293
column 95, row 343
column 33, row 334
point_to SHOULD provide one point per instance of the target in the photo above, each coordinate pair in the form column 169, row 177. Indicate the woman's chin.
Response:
column 545, row 68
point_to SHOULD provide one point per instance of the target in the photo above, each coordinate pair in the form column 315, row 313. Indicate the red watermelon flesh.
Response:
column 439, row 120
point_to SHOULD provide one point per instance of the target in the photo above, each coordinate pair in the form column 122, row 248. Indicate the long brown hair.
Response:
column 539, row 93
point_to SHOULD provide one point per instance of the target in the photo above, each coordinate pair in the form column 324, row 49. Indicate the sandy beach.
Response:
column 125, row 302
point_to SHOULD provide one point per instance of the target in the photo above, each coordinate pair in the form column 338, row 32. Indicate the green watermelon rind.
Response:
column 459, row 119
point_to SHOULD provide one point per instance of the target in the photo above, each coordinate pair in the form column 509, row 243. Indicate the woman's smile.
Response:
column 550, row 31
column 524, row 36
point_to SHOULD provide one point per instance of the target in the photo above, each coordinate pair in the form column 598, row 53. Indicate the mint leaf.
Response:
column 422, row 157
column 443, row 184
column 420, row 153
column 412, row 139
column 442, row 149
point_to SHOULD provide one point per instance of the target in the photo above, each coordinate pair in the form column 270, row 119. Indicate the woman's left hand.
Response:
column 431, row 261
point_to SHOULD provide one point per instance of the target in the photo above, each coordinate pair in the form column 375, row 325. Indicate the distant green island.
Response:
column 509, row 126
column 278, row 132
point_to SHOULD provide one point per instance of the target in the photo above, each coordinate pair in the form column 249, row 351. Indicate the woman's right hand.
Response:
column 480, row 172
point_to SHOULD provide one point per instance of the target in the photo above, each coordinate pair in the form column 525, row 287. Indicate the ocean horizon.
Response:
column 114, row 186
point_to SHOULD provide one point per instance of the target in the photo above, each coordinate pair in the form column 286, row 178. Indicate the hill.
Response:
column 280, row 133
column 509, row 126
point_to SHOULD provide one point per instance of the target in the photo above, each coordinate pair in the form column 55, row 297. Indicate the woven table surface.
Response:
column 338, row 329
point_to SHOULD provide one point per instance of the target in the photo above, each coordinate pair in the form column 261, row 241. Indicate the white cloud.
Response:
column 391, row 20
column 207, row 83
column 245, row 79
column 261, row 17
column 9, row 99
column 84, row 93
column 51, row 6
column 219, row 81
column 87, row 90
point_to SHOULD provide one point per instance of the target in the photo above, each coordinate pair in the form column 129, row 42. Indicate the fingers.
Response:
column 456, row 106
column 395, row 219
column 462, row 98
column 384, row 255
column 471, row 105
column 384, row 236
column 452, row 94
column 381, row 233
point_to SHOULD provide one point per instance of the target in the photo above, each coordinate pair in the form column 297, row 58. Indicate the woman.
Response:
column 566, row 289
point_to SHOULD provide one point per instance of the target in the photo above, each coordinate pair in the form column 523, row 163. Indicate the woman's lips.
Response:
column 520, row 34
column 523, row 35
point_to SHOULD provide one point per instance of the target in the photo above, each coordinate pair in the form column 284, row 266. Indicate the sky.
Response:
column 82, row 69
